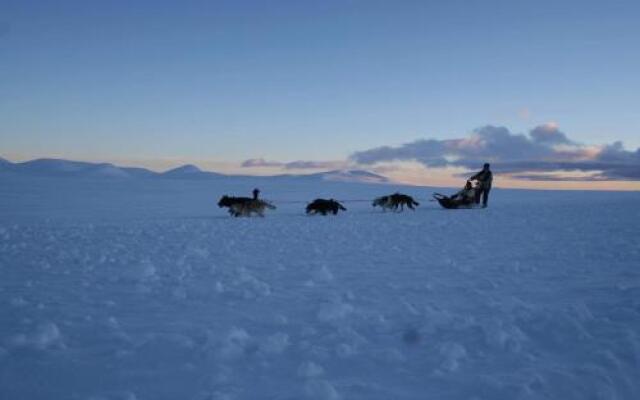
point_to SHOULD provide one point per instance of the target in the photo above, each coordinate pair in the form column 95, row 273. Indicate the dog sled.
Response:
column 451, row 203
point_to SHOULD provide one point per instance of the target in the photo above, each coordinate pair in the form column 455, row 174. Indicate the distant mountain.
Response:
column 189, row 171
column 185, row 169
column 138, row 172
column 57, row 167
column 51, row 167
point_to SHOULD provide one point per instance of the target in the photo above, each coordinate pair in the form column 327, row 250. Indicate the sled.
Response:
column 448, row 203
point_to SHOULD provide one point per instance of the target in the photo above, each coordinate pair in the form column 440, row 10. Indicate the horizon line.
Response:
column 512, row 184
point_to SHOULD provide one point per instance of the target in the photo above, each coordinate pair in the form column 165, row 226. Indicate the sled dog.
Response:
column 393, row 201
column 244, row 206
column 324, row 206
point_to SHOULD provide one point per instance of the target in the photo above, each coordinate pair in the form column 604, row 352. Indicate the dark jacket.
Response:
column 485, row 177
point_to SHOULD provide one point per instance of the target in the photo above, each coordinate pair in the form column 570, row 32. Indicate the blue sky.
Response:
column 290, row 80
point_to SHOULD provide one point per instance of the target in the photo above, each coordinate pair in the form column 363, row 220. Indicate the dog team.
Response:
column 247, row 206
column 468, row 197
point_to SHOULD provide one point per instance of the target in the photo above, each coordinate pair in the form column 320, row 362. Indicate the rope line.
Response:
column 307, row 201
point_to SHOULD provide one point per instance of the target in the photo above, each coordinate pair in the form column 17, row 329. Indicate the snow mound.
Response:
column 46, row 336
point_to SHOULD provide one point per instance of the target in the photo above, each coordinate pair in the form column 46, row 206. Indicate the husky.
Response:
column 254, row 206
column 383, row 202
column 324, row 206
column 391, row 202
column 228, row 201
column 244, row 206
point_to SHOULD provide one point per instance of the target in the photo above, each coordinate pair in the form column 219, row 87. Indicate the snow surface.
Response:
column 145, row 289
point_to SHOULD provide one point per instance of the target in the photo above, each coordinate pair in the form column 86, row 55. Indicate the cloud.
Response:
column 544, row 149
column 558, row 178
column 300, row 164
column 549, row 134
column 260, row 163
column 313, row 164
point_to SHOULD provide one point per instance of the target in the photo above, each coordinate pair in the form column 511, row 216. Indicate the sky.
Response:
column 254, row 86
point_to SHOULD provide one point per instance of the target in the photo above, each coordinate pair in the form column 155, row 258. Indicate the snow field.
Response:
column 537, row 297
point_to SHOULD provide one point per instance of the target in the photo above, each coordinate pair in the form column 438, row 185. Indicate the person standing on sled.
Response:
column 484, row 178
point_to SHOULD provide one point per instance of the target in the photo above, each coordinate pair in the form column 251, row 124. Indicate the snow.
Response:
column 145, row 289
